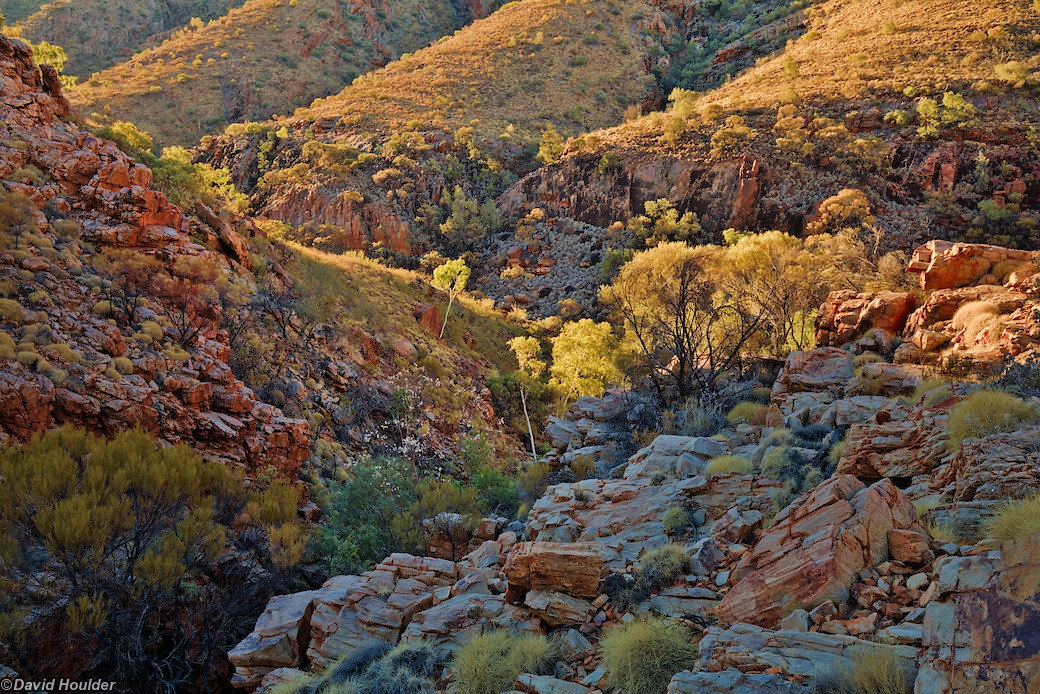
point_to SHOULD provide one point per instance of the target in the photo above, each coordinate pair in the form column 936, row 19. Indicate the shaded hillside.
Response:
column 927, row 107
column 17, row 10
column 370, row 165
column 260, row 59
column 97, row 34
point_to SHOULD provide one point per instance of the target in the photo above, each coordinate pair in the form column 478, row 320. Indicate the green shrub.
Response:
column 835, row 453
column 945, row 533
column 1015, row 520
column 753, row 412
column 932, row 391
column 375, row 668
column 675, row 519
column 723, row 464
column 643, row 656
column 988, row 412
column 489, row 663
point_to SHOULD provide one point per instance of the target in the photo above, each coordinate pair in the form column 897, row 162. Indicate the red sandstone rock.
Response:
column 573, row 568
column 947, row 265
column 815, row 549
column 847, row 315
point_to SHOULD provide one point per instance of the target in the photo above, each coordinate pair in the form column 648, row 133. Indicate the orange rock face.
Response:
column 815, row 549
column 573, row 568
column 847, row 315
column 947, row 265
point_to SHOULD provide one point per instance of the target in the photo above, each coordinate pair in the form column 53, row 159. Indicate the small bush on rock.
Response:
column 375, row 668
column 988, row 412
column 873, row 670
column 489, row 663
column 752, row 412
column 644, row 656
column 675, row 519
column 723, row 464
column 1015, row 520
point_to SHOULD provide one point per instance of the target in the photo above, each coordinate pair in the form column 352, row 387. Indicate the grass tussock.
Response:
column 643, row 656
column 872, row 670
column 1015, row 520
column 752, row 412
column 987, row 412
column 489, row 663
column 724, row 464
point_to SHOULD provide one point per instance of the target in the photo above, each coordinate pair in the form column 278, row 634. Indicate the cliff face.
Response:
column 68, row 201
column 757, row 187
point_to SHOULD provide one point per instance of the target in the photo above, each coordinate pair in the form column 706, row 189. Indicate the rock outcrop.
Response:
column 982, row 632
column 89, row 194
column 815, row 549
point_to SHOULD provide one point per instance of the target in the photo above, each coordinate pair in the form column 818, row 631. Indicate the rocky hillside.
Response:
column 72, row 205
column 92, row 339
column 924, row 107
column 261, row 59
column 96, row 35
column 872, row 571
column 17, row 10
column 479, row 100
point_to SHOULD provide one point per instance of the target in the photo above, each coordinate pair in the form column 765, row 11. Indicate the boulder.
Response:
column 799, row 654
column 674, row 456
column 571, row 568
column 452, row 623
column 558, row 609
column 278, row 640
column 815, row 549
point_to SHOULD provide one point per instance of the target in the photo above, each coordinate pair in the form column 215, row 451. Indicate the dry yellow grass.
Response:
column 859, row 49
column 267, row 57
column 574, row 63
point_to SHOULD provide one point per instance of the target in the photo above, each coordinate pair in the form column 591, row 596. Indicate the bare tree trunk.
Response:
column 444, row 325
column 530, row 431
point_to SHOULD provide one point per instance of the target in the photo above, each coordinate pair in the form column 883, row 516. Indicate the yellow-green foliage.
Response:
column 287, row 543
column 11, row 310
column 835, row 453
column 873, row 670
column 867, row 358
column 62, row 352
column 988, row 412
column 676, row 518
column 753, row 412
column 723, row 464
column 489, row 663
column 84, row 514
column 275, row 505
column 643, row 656
column 152, row 330
column 585, row 358
column 1015, row 520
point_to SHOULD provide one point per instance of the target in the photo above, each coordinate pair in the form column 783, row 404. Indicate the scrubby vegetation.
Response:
column 490, row 662
column 1016, row 520
column 988, row 412
column 376, row 668
column 643, row 656
column 724, row 464
column 132, row 532
column 873, row 670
